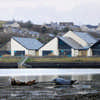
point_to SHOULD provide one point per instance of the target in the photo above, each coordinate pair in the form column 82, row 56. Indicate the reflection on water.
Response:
column 87, row 89
column 44, row 78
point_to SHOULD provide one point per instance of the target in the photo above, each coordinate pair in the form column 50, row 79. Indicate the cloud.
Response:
column 18, row 3
column 80, row 11
column 59, row 5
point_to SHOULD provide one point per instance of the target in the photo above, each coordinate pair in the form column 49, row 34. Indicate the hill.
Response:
column 2, row 22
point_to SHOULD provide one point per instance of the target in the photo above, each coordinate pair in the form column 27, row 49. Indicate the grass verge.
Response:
column 64, row 59
column 10, row 59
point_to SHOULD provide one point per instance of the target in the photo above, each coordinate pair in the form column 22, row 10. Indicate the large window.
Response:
column 64, row 49
column 47, row 52
column 3, row 52
column 19, row 53
column 64, row 52
column 96, row 49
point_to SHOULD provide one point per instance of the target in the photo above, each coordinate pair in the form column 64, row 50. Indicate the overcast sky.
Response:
column 45, row 11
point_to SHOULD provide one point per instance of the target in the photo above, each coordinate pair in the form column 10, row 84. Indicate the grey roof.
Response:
column 71, row 43
column 87, row 37
column 28, row 43
column 10, row 22
column 91, row 26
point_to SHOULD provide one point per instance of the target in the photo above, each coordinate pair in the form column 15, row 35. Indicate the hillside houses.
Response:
column 13, row 24
column 90, row 28
column 11, row 27
column 58, row 26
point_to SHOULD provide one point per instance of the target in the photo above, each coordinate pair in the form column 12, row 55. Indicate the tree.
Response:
column 65, row 29
column 55, row 32
column 29, row 24
column 44, row 29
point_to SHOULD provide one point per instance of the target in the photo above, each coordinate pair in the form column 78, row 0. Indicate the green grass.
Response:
column 10, row 59
column 64, row 59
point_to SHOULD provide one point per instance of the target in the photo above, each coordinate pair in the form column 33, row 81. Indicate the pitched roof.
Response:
column 28, row 43
column 10, row 22
column 91, row 26
column 71, row 43
column 86, row 37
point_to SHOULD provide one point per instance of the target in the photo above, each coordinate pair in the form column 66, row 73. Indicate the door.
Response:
column 83, row 53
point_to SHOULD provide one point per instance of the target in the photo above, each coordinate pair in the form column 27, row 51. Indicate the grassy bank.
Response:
column 64, row 59
column 2, row 22
column 10, row 59
column 48, row 59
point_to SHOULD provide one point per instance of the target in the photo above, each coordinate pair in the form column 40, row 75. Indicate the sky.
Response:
column 45, row 11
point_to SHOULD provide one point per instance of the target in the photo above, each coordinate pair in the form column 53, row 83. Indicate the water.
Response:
column 29, row 72
column 87, row 89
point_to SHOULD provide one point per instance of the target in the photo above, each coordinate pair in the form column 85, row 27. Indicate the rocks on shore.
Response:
column 19, row 83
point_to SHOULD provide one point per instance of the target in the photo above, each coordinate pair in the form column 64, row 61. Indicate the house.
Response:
column 52, row 25
column 66, row 23
column 84, row 28
column 10, row 27
column 90, row 28
column 85, row 40
column 71, row 44
column 51, row 35
column 11, row 24
column 24, row 46
column 34, row 34
column 74, row 27
column 63, row 25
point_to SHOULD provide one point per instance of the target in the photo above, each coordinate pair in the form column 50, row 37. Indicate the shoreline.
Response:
column 49, row 62
column 66, row 65
column 8, row 65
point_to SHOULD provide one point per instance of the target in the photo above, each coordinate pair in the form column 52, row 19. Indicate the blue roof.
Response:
column 29, row 43
column 87, row 37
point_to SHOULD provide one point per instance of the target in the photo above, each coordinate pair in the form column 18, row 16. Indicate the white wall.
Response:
column 89, row 52
column 32, row 52
column 15, row 46
column 75, row 53
column 15, row 25
column 76, row 38
column 12, row 25
column 52, row 45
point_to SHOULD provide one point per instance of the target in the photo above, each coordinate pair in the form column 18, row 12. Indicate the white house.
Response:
column 71, row 44
column 12, row 24
column 24, row 46
column 53, row 25
column 49, row 48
